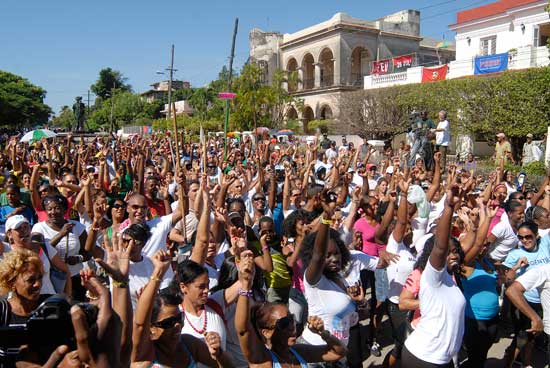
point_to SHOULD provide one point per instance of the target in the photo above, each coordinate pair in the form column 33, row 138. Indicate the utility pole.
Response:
column 229, row 85
column 171, row 70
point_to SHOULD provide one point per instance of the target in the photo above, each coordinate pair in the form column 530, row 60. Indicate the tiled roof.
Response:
column 490, row 10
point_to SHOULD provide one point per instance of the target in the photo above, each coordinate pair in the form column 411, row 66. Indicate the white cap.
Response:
column 276, row 148
column 15, row 221
column 389, row 170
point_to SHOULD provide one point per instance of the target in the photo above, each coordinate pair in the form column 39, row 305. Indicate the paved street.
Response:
column 496, row 354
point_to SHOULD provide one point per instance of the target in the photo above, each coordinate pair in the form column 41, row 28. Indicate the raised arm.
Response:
column 200, row 247
column 142, row 345
column 252, row 347
column 315, row 268
column 436, row 182
column 440, row 250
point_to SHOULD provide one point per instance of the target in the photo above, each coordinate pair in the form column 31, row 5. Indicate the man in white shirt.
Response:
column 536, row 278
column 443, row 137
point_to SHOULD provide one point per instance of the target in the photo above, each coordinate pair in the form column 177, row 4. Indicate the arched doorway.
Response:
column 307, row 116
column 309, row 71
column 326, row 113
column 291, row 113
column 360, row 65
column 327, row 67
column 291, row 68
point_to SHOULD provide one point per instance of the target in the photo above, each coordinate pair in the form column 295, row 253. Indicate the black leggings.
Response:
column 479, row 336
column 408, row 360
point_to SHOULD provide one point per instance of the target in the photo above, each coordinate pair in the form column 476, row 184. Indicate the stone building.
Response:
column 333, row 57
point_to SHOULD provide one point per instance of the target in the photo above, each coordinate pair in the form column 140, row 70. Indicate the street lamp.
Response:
column 171, row 70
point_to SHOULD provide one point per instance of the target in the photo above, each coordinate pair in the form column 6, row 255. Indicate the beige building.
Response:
column 333, row 57
column 160, row 89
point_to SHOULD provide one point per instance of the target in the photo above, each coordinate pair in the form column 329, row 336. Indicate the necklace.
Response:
column 202, row 331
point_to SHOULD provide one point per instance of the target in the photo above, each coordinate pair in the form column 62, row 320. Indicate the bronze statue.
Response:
column 79, row 110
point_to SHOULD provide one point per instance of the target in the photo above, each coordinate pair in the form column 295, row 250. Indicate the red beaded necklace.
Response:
column 202, row 331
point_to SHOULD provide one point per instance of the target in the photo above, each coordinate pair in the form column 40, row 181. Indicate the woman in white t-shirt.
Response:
column 18, row 233
column 199, row 317
column 503, row 236
column 324, row 256
column 438, row 336
column 398, row 242
column 68, row 237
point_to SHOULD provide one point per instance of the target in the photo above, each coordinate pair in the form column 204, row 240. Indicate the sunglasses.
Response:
column 526, row 237
column 119, row 205
column 169, row 322
column 283, row 323
column 259, row 199
column 519, row 198
column 138, row 243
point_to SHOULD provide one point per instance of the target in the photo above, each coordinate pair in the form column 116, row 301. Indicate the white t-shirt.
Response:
column 399, row 271
column 443, row 138
column 359, row 261
column 506, row 240
column 140, row 274
column 233, row 347
column 333, row 305
column 160, row 228
column 438, row 335
column 214, row 323
column 68, row 246
column 539, row 279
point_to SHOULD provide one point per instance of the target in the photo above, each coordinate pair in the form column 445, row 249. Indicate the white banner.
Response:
column 547, row 158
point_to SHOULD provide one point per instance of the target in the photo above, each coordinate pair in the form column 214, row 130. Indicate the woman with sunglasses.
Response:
column 117, row 214
column 156, row 337
column 267, row 332
column 68, row 237
column 532, row 252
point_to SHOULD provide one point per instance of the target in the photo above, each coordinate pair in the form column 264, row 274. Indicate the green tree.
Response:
column 127, row 109
column 21, row 102
column 65, row 119
column 107, row 80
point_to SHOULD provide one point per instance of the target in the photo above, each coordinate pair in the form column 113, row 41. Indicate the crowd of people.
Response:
column 269, row 254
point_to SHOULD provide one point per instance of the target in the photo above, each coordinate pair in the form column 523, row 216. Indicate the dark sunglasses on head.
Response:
column 526, row 237
column 284, row 322
column 169, row 322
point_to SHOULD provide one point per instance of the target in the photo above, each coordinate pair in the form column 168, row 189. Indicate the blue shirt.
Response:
column 480, row 291
column 7, row 209
column 536, row 258
column 278, row 217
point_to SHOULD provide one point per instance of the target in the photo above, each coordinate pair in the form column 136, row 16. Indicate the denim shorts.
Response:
column 381, row 284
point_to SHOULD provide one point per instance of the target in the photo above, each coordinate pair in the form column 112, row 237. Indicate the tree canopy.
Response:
column 107, row 80
column 21, row 102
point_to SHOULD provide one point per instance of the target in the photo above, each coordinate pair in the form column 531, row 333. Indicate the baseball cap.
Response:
column 529, row 135
column 236, row 219
column 370, row 166
column 501, row 135
column 15, row 221
column 389, row 170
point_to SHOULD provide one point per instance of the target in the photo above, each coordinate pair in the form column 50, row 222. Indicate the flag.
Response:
column 442, row 44
column 381, row 66
column 402, row 62
column 434, row 74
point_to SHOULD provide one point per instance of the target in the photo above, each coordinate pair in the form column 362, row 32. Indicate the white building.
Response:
column 519, row 27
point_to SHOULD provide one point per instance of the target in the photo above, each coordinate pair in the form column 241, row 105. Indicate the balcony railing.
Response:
column 389, row 78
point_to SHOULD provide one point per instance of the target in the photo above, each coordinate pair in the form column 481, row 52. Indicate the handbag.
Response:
column 57, row 277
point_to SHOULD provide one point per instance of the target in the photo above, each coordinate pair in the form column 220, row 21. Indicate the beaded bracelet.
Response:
column 247, row 293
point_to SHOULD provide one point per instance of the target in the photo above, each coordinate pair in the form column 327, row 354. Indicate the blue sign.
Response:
column 491, row 63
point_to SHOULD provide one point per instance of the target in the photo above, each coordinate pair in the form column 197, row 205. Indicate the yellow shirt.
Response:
column 501, row 149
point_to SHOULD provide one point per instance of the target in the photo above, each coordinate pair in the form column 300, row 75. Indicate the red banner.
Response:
column 381, row 66
column 434, row 74
column 400, row 62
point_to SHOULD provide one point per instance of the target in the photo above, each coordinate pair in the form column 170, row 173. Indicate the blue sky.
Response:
column 61, row 45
